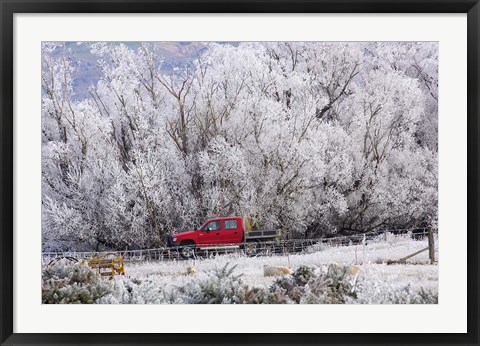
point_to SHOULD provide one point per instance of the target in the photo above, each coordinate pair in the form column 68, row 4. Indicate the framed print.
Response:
column 239, row 173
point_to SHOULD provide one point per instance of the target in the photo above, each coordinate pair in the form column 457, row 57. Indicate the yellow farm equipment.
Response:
column 107, row 265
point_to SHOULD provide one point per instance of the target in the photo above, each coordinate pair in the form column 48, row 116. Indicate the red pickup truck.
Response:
column 220, row 232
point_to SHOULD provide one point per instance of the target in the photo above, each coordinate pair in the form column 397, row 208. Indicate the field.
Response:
column 417, row 271
column 354, row 274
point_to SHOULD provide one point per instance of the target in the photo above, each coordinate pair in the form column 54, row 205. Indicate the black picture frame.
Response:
column 10, row 7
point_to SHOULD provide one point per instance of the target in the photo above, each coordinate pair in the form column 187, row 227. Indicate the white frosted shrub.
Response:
column 72, row 283
column 375, row 292
column 218, row 287
column 134, row 291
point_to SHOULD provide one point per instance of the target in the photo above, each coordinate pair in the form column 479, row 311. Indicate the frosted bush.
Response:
column 375, row 292
column 72, row 283
column 219, row 286
column 290, row 289
column 303, row 274
column 134, row 291
column 285, row 290
column 76, row 293
column 336, row 284
column 332, row 284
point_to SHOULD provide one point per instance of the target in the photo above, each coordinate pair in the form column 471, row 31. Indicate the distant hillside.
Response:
column 87, row 72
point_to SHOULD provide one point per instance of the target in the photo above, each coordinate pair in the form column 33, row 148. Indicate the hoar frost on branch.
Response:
column 312, row 138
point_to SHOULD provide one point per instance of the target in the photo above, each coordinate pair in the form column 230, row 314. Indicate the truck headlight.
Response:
column 174, row 239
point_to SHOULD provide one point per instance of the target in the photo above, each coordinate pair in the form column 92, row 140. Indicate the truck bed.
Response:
column 262, row 234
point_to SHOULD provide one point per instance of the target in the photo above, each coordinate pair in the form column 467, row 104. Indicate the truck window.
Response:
column 212, row 226
column 230, row 224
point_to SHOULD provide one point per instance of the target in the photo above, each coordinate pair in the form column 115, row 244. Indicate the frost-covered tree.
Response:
column 310, row 137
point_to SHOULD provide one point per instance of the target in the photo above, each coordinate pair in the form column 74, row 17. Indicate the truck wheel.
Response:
column 251, row 248
column 187, row 249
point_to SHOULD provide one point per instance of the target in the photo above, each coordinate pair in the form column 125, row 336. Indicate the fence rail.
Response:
column 280, row 247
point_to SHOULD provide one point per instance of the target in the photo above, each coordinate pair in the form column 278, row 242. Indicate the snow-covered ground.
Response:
column 417, row 272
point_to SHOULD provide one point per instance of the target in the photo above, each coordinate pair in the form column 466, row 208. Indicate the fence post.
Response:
column 431, row 245
column 364, row 241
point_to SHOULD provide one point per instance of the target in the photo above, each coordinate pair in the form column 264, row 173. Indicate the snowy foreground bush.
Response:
column 65, row 283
